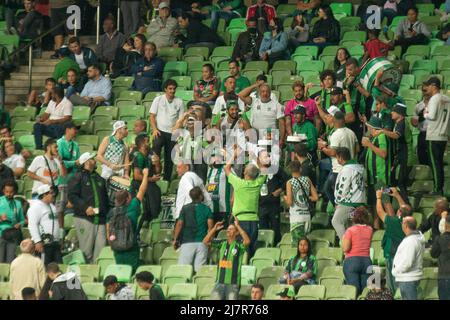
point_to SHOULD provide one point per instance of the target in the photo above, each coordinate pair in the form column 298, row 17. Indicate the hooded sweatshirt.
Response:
column 438, row 124
column 408, row 261
column 350, row 190
column 67, row 286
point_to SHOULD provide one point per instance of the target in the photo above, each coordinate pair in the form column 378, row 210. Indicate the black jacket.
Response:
column 329, row 29
column 244, row 45
column 5, row 174
column 431, row 223
column 123, row 61
column 278, row 181
column 67, row 287
column 441, row 251
column 198, row 32
column 81, row 195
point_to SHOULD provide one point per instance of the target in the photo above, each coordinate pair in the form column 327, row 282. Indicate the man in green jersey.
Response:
column 305, row 127
column 241, row 81
column 231, row 254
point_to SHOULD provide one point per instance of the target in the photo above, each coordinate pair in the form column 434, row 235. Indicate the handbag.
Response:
column 13, row 234
column 53, row 187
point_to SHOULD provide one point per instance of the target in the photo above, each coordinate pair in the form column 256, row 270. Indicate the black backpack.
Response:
column 121, row 228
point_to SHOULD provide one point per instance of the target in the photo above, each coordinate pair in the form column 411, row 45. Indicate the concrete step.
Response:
column 22, row 91
column 50, row 63
column 24, row 76
column 13, row 99
column 37, row 69
column 22, row 84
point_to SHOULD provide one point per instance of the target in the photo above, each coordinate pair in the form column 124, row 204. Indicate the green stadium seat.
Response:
column 307, row 51
column 425, row 8
column 378, row 235
column 137, row 111
column 183, row 291
column 205, row 290
column 68, row 221
column 88, row 271
column 248, row 274
column 121, row 271
column 357, row 51
column 420, row 50
column 257, row 66
column 269, row 276
column 330, row 253
column 408, row 81
column 206, row 271
column 284, row 65
column 237, row 23
column 104, row 259
column 178, row 274
column 12, row 40
column 131, row 95
column 23, row 126
column 266, row 238
column 410, row 58
column 322, row 264
column 331, row 282
column 123, row 82
column 433, row 22
column 168, row 258
column 428, row 289
column 324, row 234
column 396, row 21
column 423, row 75
column 197, row 51
column 315, row 65
column 196, row 65
column 190, row 59
column 271, row 293
column 93, row 290
column 420, row 172
column 106, row 111
column 430, row 273
column 441, row 50
column 285, row 9
column 232, row 35
column 223, row 51
column 91, row 140
column 355, row 35
column 344, row 292
column 311, row 292
column 4, row 272
column 146, row 254
column 27, row 142
column 27, row 112
column 345, row 8
column 318, row 244
column 178, row 67
column 422, row 186
column 428, row 65
column 222, row 65
column 81, row 113
column 5, row 290
column 183, row 81
column 411, row 94
column 350, row 21
column 286, row 80
column 252, row 74
column 185, row 95
column 170, row 53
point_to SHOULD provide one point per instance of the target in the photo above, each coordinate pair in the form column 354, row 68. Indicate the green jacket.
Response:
column 70, row 153
column 14, row 213
column 308, row 129
column 63, row 66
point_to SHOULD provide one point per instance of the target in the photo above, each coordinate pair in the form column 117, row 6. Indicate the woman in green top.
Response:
column 301, row 269
column 133, row 208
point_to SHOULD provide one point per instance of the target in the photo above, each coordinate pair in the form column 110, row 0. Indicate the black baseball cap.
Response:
column 299, row 109
column 336, row 90
column 71, row 125
column 433, row 81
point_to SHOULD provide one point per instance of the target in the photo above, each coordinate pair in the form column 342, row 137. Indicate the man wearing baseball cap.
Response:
column 44, row 226
column 87, row 193
column 437, row 114
column 303, row 126
column 162, row 28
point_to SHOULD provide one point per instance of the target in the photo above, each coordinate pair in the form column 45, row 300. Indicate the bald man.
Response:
column 440, row 209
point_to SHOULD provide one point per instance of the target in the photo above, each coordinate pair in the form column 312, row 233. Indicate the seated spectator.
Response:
column 274, row 44
column 193, row 224
column 124, row 58
column 411, row 31
column 198, row 11
column 262, row 79
column 139, row 43
column 356, row 247
column 51, row 123
column 263, row 13
column 66, row 63
column 301, row 269
column 299, row 31
column 441, row 206
column 6, row 135
column 116, row 290
column 161, row 29
column 309, row 8
column 441, row 251
column 96, row 92
column 198, row 35
column 326, row 30
column 247, row 44
column 29, row 294
column 227, row 10
column 11, row 7
column 83, row 56
column 304, row 127
column 42, row 100
column 74, row 85
column 374, row 47
column 242, row 82
column 444, row 34
column 144, row 280
column 207, row 88
column 13, row 159
column 29, row 22
column 109, row 42
column 148, row 71
column 342, row 56
column 257, row 292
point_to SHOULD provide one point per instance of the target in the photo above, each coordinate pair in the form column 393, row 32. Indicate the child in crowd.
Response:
column 374, row 47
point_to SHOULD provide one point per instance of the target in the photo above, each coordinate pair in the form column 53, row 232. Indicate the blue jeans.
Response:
column 251, row 228
column 444, row 289
column 225, row 292
column 216, row 15
column 355, row 271
column 390, row 279
column 408, row 289
column 329, row 186
column 55, row 131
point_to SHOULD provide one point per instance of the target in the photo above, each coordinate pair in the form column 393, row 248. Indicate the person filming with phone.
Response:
column 88, row 195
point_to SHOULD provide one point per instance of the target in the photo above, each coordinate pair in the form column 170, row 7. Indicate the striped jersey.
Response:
column 378, row 169
column 220, row 190
column 230, row 261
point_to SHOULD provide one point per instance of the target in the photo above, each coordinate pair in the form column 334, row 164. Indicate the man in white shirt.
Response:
column 51, row 123
column 341, row 137
column 188, row 180
column 230, row 91
column 44, row 226
column 164, row 113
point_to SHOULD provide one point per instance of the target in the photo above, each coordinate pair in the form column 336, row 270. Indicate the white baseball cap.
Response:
column 163, row 5
column 117, row 125
column 45, row 188
column 85, row 157
column 332, row 110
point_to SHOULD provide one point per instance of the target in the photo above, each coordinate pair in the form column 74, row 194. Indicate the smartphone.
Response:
column 387, row 191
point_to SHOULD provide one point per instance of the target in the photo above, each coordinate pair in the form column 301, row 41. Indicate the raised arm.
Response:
column 245, row 238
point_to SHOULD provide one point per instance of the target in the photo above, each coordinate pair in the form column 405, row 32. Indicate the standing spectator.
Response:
column 144, row 280
column 350, row 190
column 96, row 92
column 131, row 207
column 300, row 193
column 327, row 82
column 220, row 107
column 247, row 45
column 257, row 292
column 326, row 30
column 131, row 16
column 301, row 269
column 57, row 114
column 44, row 226
column 342, row 55
column 393, row 234
column 374, row 47
column 356, row 246
column 242, row 82
column 408, row 261
column 341, row 137
column 207, row 88
column 38, row 100
column 164, row 113
column 124, row 58
column 306, row 128
column 390, row 10
column 299, row 31
column 116, row 290
column 29, row 21
column 263, row 13
column 188, row 180
column 14, row 160
column 441, row 251
column 63, row 66
column 231, row 254
column 87, row 193
column 197, row 34
column 226, row 10
column 11, row 220
column 441, row 207
column 58, row 14
column 148, row 71
column 65, row 286
column 411, row 31
column 109, row 42
column 437, row 130
column 84, row 56
column 193, row 224
column 26, row 271
column 300, row 98
column 307, row 168
column 161, row 29
column 274, row 45
column 419, row 121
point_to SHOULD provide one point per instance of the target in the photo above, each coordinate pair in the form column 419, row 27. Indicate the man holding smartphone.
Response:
column 87, row 193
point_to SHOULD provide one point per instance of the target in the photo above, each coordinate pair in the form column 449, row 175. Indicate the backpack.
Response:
column 121, row 228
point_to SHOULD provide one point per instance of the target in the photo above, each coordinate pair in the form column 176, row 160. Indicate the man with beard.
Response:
column 312, row 114
column 230, row 91
column 247, row 45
